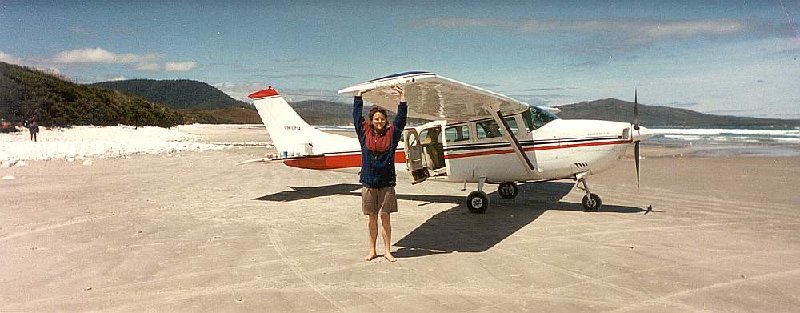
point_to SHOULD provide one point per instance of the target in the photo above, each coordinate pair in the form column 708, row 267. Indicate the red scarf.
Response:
column 376, row 142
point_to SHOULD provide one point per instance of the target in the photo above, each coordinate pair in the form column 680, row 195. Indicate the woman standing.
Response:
column 378, row 178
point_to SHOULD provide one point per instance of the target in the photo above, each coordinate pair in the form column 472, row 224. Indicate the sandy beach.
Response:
column 192, row 231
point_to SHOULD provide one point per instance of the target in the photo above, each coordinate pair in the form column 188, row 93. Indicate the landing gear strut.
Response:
column 477, row 201
column 591, row 202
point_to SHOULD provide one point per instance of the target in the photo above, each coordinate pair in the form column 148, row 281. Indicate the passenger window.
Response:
column 512, row 123
column 430, row 136
column 487, row 129
column 412, row 138
column 423, row 136
column 457, row 133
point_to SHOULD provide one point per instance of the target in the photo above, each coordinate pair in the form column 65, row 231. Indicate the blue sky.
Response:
column 723, row 57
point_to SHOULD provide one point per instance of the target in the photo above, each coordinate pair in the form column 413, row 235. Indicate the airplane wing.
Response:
column 435, row 97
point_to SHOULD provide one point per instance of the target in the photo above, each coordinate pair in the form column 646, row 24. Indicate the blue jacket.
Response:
column 377, row 171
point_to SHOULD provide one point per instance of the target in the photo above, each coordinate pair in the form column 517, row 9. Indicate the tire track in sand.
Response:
column 294, row 266
column 71, row 222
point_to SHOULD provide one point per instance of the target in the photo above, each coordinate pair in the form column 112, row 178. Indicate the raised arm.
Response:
column 400, row 118
column 358, row 119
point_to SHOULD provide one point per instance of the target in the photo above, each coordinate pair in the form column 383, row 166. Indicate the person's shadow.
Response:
column 456, row 229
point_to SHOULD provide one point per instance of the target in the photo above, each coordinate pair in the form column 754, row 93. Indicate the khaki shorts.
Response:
column 378, row 200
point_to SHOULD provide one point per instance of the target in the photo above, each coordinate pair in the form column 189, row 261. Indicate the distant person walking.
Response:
column 33, row 127
column 378, row 178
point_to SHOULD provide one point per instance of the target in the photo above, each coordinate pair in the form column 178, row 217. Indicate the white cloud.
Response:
column 180, row 66
column 148, row 67
column 141, row 62
column 649, row 28
column 5, row 57
column 239, row 91
column 685, row 29
column 100, row 55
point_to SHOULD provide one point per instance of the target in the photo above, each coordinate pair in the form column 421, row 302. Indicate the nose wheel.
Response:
column 591, row 202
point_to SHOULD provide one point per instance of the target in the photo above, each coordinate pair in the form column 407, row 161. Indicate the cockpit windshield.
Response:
column 536, row 117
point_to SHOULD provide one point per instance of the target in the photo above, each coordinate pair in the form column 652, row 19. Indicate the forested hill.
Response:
column 176, row 94
column 622, row 111
column 27, row 94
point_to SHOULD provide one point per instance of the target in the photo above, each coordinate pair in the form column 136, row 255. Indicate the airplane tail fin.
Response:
column 290, row 134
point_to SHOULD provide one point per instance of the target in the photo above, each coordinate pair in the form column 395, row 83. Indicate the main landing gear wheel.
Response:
column 592, row 202
column 508, row 190
column 477, row 202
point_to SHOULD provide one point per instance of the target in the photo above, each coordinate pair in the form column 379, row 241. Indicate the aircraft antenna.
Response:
column 636, row 153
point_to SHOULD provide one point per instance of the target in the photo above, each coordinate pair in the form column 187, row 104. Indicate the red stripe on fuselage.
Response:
column 337, row 161
column 331, row 162
column 504, row 151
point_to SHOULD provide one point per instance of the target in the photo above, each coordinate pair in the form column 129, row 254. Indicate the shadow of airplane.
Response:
column 456, row 229
column 303, row 193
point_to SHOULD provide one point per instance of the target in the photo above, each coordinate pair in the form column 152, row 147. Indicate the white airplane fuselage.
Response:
column 560, row 148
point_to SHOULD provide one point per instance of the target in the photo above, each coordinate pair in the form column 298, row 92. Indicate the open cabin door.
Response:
column 414, row 160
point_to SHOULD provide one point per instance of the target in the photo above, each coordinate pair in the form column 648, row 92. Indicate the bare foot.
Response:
column 389, row 257
column 370, row 256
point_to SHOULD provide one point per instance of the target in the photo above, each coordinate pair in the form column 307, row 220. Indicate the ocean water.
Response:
column 722, row 141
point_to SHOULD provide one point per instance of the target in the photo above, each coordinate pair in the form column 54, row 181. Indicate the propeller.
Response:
column 636, row 128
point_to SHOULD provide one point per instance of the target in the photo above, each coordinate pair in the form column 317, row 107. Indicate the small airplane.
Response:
column 476, row 136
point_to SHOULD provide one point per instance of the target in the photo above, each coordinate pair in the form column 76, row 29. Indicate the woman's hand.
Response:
column 400, row 92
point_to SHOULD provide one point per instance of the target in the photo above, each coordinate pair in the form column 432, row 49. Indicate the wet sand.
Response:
column 194, row 232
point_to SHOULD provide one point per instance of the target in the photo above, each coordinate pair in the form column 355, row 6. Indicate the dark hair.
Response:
column 376, row 109
column 381, row 110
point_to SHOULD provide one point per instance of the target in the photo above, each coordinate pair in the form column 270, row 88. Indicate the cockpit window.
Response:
column 536, row 117
column 487, row 129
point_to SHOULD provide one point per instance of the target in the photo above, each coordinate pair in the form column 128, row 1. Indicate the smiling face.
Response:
column 378, row 121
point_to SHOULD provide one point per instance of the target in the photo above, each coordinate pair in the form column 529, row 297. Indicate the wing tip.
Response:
column 401, row 74
column 413, row 75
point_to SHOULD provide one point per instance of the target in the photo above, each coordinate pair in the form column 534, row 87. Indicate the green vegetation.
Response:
column 27, row 94
column 175, row 94
column 197, row 101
